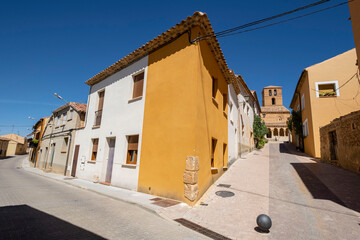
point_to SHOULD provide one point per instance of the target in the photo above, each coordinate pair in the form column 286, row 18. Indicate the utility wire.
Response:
column 356, row 74
column 286, row 20
column 231, row 31
column 271, row 18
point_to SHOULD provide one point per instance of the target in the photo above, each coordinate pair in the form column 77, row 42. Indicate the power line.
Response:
column 286, row 20
column 271, row 18
column 231, row 31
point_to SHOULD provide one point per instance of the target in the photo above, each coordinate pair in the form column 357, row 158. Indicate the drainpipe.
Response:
column 300, row 110
column 68, row 153
column 51, row 134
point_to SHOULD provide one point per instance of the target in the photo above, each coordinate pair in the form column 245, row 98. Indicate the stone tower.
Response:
column 272, row 96
column 274, row 114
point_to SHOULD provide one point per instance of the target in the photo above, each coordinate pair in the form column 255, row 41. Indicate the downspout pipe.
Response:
column 300, row 111
column 68, row 152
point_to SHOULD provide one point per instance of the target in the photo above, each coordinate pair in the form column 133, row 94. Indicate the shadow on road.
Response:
column 290, row 149
column 24, row 222
column 4, row 158
column 344, row 183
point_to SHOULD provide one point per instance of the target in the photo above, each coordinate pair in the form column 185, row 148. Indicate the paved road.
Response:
column 34, row 207
column 311, row 200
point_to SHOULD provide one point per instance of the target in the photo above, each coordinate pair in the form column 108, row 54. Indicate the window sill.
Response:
column 91, row 161
column 63, row 151
column 134, row 99
column 215, row 102
column 327, row 96
column 96, row 126
column 128, row 165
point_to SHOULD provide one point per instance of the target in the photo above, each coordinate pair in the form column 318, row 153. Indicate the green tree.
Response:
column 259, row 128
column 295, row 123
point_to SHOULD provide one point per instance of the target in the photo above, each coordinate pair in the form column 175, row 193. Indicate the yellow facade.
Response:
column 181, row 118
column 320, row 111
column 354, row 7
column 39, row 129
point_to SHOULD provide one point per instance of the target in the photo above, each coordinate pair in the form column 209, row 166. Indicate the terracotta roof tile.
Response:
column 197, row 19
column 80, row 107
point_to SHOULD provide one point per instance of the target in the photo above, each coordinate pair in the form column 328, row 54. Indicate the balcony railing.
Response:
column 98, row 115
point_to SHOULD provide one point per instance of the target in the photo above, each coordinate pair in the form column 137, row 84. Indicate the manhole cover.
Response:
column 224, row 185
column 224, row 194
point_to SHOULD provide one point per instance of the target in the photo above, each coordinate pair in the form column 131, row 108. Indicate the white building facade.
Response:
column 109, row 146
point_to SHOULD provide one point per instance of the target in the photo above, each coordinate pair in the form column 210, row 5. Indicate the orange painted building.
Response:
column 354, row 7
column 325, row 91
column 184, row 136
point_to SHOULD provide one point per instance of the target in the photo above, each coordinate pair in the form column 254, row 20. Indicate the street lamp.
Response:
column 58, row 96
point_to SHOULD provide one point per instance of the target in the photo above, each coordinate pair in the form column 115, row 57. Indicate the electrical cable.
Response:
column 286, row 20
column 232, row 31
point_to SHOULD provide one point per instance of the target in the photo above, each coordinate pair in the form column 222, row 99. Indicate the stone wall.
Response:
column 347, row 149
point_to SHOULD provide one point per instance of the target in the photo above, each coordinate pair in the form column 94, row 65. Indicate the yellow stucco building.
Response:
column 354, row 7
column 184, row 135
column 17, row 144
column 325, row 91
column 37, row 134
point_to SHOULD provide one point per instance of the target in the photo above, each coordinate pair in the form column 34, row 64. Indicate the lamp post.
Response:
column 59, row 97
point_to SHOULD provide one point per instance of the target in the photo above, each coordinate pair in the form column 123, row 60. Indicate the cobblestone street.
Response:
column 34, row 207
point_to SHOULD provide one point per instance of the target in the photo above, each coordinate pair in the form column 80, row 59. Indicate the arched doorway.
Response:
column 276, row 132
column 269, row 135
column 282, row 132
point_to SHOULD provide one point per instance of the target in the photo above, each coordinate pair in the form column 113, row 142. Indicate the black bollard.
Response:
column 264, row 222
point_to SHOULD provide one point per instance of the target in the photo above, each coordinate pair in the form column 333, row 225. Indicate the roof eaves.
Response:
column 297, row 88
column 197, row 19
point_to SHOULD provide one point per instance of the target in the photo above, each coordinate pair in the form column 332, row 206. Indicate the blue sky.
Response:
column 55, row 46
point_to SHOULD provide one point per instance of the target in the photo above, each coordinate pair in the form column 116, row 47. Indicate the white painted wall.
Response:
column 120, row 118
column 246, row 120
column 233, row 124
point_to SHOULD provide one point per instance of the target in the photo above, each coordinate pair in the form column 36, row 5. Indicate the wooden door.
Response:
column 109, row 168
column 74, row 165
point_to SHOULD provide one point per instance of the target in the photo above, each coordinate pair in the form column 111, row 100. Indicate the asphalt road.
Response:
column 35, row 207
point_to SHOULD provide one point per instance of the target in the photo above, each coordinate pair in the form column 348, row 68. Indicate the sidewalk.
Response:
column 141, row 199
column 233, row 216
column 246, row 182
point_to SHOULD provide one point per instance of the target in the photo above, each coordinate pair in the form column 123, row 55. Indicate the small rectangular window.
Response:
column 133, row 142
column 138, row 85
column 98, row 113
column 71, row 114
column 214, row 87
column 302, row 102
column 64, row 119
column 65, row 145
column 305, row 128
column 327, row 89
column 225, row 102
column 213, row 150
column 95, row 143
column 224, row 153
column 58, row 122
